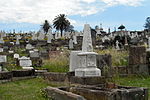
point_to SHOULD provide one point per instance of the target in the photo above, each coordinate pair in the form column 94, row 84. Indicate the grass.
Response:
column 23, row 90
column 60, row 63
column 31, row 89
column 119, row 58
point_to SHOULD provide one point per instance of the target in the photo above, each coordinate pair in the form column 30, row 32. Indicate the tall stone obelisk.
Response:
column 87, row 58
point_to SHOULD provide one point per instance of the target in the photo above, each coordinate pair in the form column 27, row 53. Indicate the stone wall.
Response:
column 137, row 55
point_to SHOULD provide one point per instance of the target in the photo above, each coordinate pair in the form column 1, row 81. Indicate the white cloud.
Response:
column 36, row 11
column 123, row 2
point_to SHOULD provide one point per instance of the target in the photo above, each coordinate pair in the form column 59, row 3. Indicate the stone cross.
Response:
column 87, row 40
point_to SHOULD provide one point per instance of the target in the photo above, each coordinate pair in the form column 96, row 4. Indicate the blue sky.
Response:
column 22, row 15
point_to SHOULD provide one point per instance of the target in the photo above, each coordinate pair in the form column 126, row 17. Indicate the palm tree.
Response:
column 46, row 26
column 61, row 23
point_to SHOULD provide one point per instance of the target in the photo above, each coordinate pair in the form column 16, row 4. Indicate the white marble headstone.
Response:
column 10, row 51
column 3, row 58
column 29, row 46
column 16, row 56
column 1, row 49
column 87, row 40
column 49, row 36
column 25, row 62
column 75, row 39
column 87, row 58
column 41, row 35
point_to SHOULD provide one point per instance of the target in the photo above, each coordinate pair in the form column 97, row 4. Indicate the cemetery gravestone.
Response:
column 1, row 40
column 117, row 45
column 1, row 49
column 3, row 58
column 137, row 60
column 74, row 60
column 34, row 36
column 49, row 36
column 17, row 39
column 41, row 35
column 29, row 46
column 25, row 62
column 10, row 51
column 87, row 58
column 70, row 44
column 34, row 54
column 16, row 56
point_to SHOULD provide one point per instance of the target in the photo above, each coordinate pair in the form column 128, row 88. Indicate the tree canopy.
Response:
column 61, row 23
column 147, row 23
column 46, row 26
